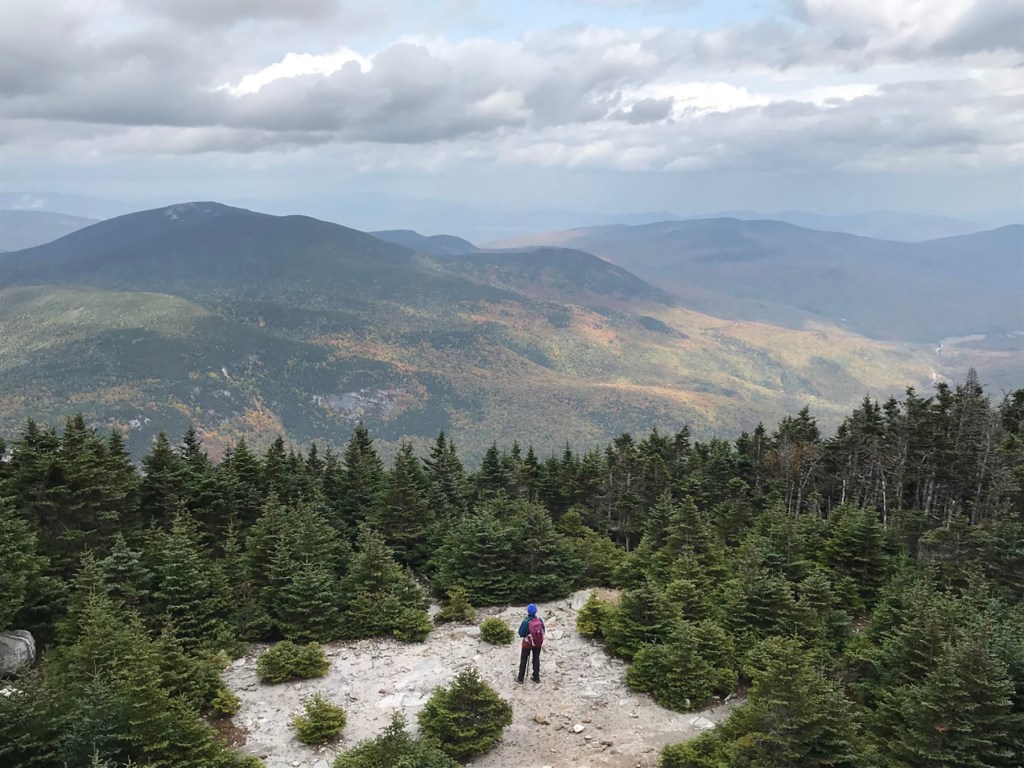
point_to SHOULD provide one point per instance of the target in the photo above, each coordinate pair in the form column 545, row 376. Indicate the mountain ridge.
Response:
column 304, row 327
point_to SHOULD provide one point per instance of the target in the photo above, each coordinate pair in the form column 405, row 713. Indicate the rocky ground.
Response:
column 581, row 715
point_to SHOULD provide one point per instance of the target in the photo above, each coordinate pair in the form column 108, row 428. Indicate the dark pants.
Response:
column 523, row 656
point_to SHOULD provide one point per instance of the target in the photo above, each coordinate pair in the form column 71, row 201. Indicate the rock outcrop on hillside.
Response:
column 17, row 650
column 581, row 714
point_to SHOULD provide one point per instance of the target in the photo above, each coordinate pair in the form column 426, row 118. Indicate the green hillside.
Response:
column 252, row 325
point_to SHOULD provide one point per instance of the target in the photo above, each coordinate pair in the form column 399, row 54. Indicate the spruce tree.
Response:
column 794, row 718
column 363, row 476
column 643, row 616
column 492, row 480
column 189, row 590
column 403, row 516
column 20, row 562
column 205, row 494
column 446, row 479
column 467, row 718
column 395, row 747
column 162, row 488
column 959, row 716
column 242, row 476
column 111, row 696
column 302, row 594
column 380, row 596
column 855, row 548
column 684, row 673
column 127, row 577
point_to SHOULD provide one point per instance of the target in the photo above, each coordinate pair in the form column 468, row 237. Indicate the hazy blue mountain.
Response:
column 25, row 229
column 882, row 225
column 72, row 205
column 435, row 245
column 1005, row 243
column 252, row 324
column 779, row 273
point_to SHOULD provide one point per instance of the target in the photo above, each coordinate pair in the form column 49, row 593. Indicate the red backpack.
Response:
column 536, row 637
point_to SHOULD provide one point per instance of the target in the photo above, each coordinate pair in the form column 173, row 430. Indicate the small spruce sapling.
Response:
column 467, row 718
column 320, row 721
column 495, row 631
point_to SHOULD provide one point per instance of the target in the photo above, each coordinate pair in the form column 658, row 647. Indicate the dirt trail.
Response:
column 581, row 715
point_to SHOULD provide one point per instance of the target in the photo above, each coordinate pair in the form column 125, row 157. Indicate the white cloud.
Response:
column 296, row 65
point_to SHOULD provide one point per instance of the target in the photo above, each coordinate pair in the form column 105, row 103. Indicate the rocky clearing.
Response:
column 581, row 715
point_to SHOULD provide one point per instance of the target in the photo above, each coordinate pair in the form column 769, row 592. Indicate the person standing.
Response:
column 532, row 631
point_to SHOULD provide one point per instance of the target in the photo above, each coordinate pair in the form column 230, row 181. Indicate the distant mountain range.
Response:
column 773, row 272
column 250, row 324
column 482, row 224
column 25, row 229
column 883, row 225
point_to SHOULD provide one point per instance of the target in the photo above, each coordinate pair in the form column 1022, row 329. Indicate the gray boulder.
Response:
column 17, row 650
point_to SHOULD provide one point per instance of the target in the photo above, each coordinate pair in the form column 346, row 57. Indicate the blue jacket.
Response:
column 524, row 628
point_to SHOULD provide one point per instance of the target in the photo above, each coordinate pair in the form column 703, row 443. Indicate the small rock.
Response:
column 238, row 662
column 472, row 631
column 578, row 728
column 587, row 720
column 540, row 719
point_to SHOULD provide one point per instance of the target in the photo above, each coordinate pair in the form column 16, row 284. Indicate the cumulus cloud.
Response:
column 838, row 85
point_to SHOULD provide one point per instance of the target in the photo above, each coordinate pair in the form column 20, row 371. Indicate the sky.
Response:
column 397, row 113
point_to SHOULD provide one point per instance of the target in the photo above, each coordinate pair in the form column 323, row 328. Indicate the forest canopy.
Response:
column 863, row 589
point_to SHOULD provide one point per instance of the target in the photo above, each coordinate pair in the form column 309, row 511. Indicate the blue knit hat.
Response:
column 531, row 609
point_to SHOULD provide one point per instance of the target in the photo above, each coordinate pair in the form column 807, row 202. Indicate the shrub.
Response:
column 241, row 760
column 457, row 608
column 592, row 618
column 395, row 747
column 468, row 718
column 321, row 722
column 225, row 703
column 496, row 632
column 288, row 661
column 412, row 626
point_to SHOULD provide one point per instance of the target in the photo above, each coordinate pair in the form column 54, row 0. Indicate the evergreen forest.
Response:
column 862, row 592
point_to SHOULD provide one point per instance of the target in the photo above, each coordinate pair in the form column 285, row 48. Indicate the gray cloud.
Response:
column 647, row 111
column 571, row 97
column 221, row 13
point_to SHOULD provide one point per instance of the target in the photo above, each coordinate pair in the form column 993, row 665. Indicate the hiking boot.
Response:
column 519, row 680
column 535, row 679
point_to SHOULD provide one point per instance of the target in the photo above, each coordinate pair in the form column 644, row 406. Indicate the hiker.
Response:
column 532, row 632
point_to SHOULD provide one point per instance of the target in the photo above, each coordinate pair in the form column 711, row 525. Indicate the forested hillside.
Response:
column 864, row 590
